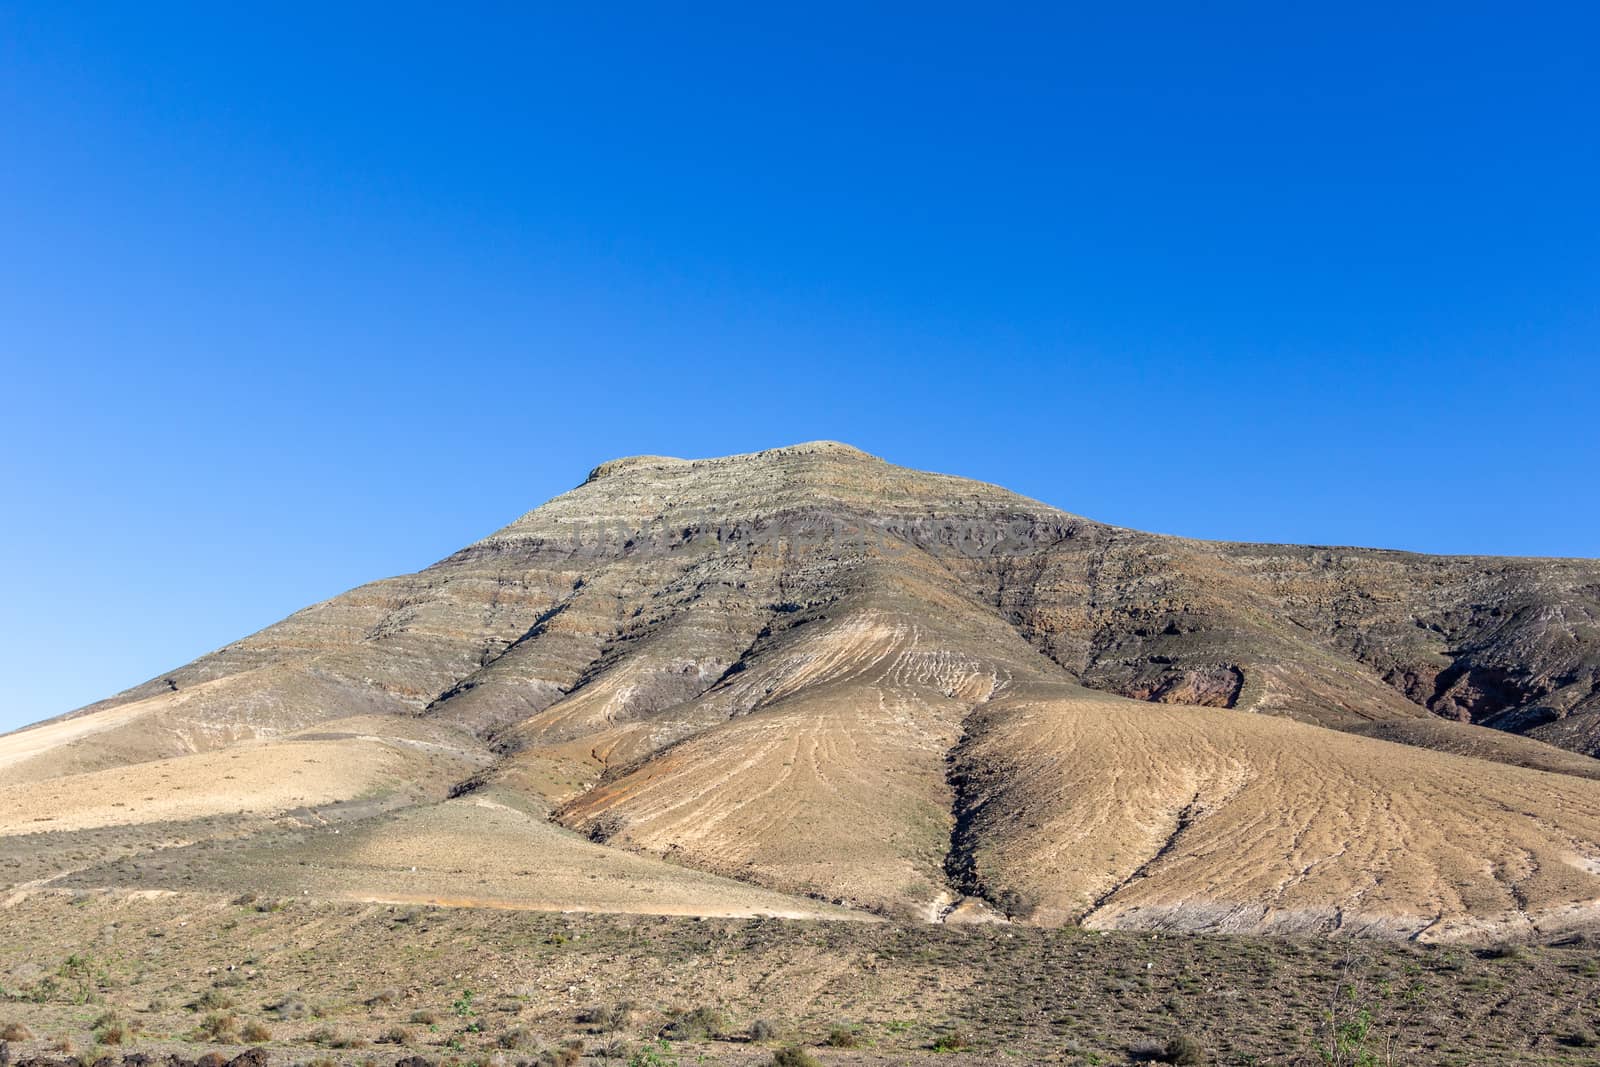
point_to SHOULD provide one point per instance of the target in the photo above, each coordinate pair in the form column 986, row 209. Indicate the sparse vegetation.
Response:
column 82, row 978
column 219, row 1026
column 794, row 1056
column 701, row 1022
column 657, row 1055
column 1020, row 995
column 843, row 1037
column 567, row 1055
column 1505, row 951
column 1347, row 1036
column 288, row 1008
column 607, row 1018
column 256, row 1032
column 395, row 1035
column 1185, row 1051
column 211, row 1000
column 516, row 1039
column 110, row 1029
column 15, row 1031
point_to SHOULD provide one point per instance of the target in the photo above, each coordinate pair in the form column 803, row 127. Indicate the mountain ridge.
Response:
column 815, row 673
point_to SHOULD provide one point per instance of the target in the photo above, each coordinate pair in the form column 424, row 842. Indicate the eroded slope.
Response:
column 1082, row 807
column 820, row 674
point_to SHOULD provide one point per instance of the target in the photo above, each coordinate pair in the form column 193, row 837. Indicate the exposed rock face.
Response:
column 804, row 668
column 689, row 561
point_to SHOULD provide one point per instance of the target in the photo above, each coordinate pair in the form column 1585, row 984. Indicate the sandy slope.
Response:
column 1111, row 813
column 339, row 761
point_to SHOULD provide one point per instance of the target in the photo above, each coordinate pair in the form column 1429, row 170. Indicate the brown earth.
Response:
column 364, row 984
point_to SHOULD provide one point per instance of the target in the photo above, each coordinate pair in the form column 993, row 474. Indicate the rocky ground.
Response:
column 186, row 974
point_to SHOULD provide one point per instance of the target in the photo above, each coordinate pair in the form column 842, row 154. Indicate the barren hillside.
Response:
column 808, row 682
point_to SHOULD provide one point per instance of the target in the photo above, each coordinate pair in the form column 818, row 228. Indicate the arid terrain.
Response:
column 804, row 737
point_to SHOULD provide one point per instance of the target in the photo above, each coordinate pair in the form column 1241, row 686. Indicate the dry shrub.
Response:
column 1185, row 1051
column 516, row 1039
column 843, row 1037
column 288, row 1008
column 694, row 1025
column 383, row 998
column 794, row 1056
column 221, row 1027
column 109, row 1029
column 608, row 1018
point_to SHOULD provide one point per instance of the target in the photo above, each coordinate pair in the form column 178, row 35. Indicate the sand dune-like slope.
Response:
column 1087, row 808
column 342, row 760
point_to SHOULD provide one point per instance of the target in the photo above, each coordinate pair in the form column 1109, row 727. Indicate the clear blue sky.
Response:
column 302, row 297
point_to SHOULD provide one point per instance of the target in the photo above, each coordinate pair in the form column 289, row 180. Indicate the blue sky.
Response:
column 296, row 298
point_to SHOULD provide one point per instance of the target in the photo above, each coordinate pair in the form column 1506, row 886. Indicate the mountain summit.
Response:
column 805, row 681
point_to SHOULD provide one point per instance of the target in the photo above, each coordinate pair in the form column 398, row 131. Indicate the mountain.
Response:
column 807, row 682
